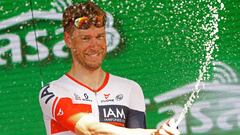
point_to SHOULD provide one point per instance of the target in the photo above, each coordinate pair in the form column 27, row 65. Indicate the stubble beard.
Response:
column 91, row 66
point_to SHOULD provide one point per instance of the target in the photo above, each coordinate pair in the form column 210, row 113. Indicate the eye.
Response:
column 100, row 37
column 85, row 38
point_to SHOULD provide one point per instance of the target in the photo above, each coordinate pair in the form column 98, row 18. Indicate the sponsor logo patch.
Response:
column 113, row 113
column 107, row 99
column 119, row 97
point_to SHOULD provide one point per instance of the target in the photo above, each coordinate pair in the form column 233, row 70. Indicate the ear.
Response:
column 67, row 39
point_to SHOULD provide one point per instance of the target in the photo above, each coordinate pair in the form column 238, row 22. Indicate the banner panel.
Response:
column 162, row 45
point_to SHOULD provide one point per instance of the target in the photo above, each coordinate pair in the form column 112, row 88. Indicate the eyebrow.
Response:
column 100, row 34
column 103, row 33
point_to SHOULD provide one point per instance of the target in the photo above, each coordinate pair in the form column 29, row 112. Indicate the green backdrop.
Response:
column 160, row 46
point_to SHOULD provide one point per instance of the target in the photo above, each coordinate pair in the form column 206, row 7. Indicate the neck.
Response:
column 92, row 78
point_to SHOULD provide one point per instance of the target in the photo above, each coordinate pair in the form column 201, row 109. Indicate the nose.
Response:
column 94, row 43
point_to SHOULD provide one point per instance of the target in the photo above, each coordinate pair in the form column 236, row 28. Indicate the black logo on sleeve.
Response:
column 47, row 94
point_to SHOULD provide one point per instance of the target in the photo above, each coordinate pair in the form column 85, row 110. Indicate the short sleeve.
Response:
column 136, row 116
column 47, row 100
column 56, row 103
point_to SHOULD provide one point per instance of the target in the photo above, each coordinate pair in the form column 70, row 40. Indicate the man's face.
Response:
column 89, row 47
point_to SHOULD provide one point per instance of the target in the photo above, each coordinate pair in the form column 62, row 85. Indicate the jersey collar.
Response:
column 84, row 85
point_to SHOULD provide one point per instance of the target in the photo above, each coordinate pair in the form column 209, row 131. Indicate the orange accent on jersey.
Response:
column 65, row 109
column 100, row 88
column 56, row 127
column 54, row 103
column 116, row 124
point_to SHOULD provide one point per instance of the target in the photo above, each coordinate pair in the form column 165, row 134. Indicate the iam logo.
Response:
column 18, row 36
column 216, row 110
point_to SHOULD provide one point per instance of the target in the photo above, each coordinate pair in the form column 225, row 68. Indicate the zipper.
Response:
column 97, row 106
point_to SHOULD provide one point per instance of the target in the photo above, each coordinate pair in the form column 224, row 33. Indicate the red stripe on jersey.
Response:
column 82, row 84
column 54, row 103
column 104, row 83
column 56, row 127
column 116, row 124
column 65, row 109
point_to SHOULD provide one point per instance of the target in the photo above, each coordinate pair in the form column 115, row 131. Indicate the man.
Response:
column 87, row 100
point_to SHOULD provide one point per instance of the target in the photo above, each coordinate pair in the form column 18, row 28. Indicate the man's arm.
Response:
column 88, row 125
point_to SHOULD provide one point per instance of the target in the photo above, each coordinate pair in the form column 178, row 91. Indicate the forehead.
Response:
column 92, row 31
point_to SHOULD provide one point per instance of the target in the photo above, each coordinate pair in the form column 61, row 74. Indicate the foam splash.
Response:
column 210, row 46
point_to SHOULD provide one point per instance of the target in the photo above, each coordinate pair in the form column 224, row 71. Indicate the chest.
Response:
column 109, row 105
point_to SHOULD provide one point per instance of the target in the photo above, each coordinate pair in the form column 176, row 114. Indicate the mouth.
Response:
column 93, row 55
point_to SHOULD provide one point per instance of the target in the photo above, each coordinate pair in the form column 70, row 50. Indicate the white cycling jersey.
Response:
column 118, row 101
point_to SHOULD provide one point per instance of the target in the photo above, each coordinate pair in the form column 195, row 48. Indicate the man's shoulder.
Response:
column 126, row 81
column 58, row 82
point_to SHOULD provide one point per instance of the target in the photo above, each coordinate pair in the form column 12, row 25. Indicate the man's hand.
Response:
column 168, row 128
